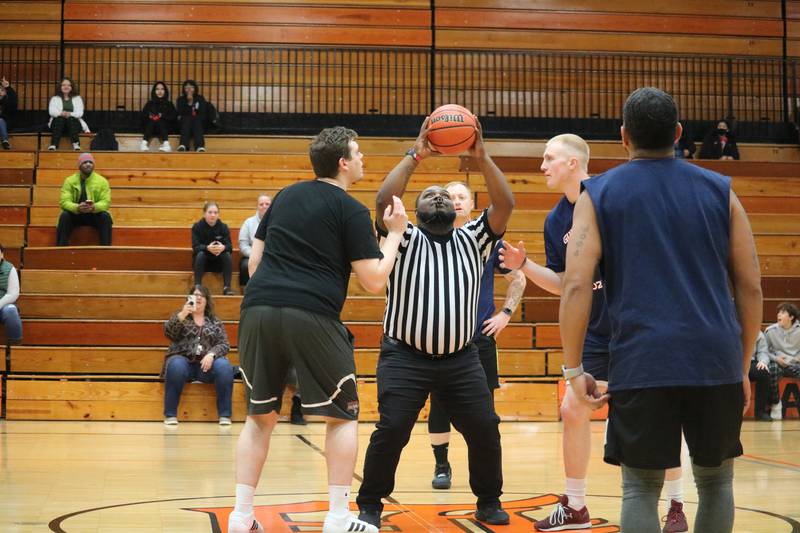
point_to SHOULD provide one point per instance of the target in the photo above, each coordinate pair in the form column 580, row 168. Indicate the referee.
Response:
column 429, row 322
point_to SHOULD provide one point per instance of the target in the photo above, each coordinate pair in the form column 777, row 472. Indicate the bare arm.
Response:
column 545, row 278
column 500, row 196
column 745, row 274
column 516, row 288
column 396, row 181
column 255, row 256
column 583, row 254
column 374, row 273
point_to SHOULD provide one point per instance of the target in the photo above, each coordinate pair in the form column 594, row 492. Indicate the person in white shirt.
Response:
column 246, row 234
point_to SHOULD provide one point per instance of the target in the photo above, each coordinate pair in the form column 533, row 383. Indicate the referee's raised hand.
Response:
column 394, row 217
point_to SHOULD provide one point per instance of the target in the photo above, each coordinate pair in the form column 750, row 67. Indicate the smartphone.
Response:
column 192, row 301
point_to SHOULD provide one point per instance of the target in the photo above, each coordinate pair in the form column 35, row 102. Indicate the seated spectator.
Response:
column 759, row 374
column 8, row 108
column 66, row 110
column 9, row 292
column 157, row 117
column 719, row 143
column 212, row 248
column 85, row 199
column 192, row 113
column 685, row 147
column 783, row 343
column 246, row 233
column 197, row 352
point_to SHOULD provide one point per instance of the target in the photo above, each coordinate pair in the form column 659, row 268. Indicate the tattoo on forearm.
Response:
column 756, row 263
column 581, row 240
column 515, row 290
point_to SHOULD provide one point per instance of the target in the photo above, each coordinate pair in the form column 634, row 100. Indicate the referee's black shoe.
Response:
column 442, row 476
column 492, row 514
column 370, row 516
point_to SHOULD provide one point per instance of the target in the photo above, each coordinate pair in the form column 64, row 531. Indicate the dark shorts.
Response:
column 596, row 364
column 645, row 425
column 487, row 352
column 271, row 339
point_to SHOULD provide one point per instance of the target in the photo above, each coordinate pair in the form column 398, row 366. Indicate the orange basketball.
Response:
column 452, row 129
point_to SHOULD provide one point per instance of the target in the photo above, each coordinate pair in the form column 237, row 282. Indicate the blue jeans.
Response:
column 3, row 130
column 9, row 317
column 180, row 370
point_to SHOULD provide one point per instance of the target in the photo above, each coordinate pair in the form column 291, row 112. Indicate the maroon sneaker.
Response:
column 565, row 517
column 675, row 521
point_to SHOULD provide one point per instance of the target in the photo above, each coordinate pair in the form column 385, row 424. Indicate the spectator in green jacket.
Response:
column 85, row 199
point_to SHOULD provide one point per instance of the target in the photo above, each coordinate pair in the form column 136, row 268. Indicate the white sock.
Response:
column 244, row 499
column 576, row 492
column 673, row 490
column 339, row 498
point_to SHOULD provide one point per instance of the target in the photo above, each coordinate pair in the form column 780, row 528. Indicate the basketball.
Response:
column 452, row 129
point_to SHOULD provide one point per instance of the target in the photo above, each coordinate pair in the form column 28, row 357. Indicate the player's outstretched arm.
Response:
column 396, row 181
column 500, row 195
column 745, row 274
column 517, row 259
column 583, row 254
column 374, row 273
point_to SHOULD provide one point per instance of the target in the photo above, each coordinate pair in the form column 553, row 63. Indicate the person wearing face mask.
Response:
column 719, row 143
column 192, row 112
column 212, row 247
column 429, row 324
column 157, row 117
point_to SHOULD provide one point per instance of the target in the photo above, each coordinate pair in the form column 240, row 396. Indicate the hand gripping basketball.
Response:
column 394, row 217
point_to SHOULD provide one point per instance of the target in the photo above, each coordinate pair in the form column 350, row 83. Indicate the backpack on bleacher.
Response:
column 213, row 123
column 105, row 140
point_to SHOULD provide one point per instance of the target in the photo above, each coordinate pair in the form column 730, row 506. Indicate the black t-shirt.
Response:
column 312, row 232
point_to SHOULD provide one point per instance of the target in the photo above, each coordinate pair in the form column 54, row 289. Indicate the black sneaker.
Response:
column 492, row 514
column 227, row 291
column 6, row 145
column 370, row 516
column 297, row 414
column 442, row 477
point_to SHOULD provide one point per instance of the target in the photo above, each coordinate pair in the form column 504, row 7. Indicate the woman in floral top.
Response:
column 198, row 352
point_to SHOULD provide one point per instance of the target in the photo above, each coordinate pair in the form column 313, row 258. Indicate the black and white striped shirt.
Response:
column 432, row 294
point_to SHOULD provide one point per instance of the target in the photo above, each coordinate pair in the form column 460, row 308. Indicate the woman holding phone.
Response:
column 212, row 247
column 198, row 352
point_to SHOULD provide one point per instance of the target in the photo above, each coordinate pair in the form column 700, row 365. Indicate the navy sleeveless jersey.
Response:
column 665, row 229
column 557, row 229
column 486, row 296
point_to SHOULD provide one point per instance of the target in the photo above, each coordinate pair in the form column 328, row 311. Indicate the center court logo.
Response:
column 417, row 518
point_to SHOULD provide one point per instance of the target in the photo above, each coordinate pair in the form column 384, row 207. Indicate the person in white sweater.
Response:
column 66, row 112
column 783, row 343
column 246, row 234
column 9, row 292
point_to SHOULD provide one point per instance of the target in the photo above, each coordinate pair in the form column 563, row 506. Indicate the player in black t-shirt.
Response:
column 317, row 235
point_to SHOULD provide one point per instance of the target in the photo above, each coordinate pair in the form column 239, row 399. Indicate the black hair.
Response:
column 166, row 91
column 73, row 92
column 193, row 84
column 327, row 148
column 791, row 309
column 650, row 118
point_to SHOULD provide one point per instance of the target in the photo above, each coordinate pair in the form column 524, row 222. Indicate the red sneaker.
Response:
column 675, row 521
column 565, row 517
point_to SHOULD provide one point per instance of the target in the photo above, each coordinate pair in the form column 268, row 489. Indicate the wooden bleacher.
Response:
column 93, row 316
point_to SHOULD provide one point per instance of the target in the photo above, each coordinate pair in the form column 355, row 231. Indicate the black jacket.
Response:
column 8, row 105
column 203, row 235
column 712, row 146
column 185, row 110
column 159, row 106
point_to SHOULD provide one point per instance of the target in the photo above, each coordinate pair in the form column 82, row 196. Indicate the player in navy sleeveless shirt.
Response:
column 668, row 236
column 565, row 166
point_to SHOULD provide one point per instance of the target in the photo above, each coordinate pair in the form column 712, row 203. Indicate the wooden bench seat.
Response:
column 117, row 398
column 112, row 258
column 15, row 195
column 148, row 361
column 13, row 215
column 76, row 332
column 12, row 235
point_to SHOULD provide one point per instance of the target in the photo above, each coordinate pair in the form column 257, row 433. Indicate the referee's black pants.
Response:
column 405, row 379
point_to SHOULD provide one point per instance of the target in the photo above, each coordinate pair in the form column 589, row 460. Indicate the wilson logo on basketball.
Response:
column 308, row 517
column 448, row 118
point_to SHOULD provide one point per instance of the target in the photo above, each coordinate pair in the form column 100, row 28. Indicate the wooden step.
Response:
column 13, row 215
column 55, row 332
column 157, row 307
column 12, row 235
column 148, row 361
column 112, row 258
column 15, row 195
column 93, row 398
